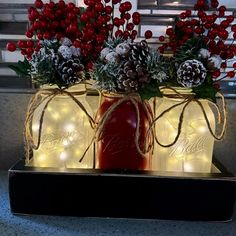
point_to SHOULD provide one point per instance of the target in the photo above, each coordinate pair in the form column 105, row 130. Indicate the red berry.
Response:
column 30, row 51
column 230, row 18
column 126, row 34
column 122, row 8
column 182, row 15
column 136, row 15
column 61, row 4
column 234, row 65
column 30, row 44
column 224, row 24
column 148, row 34
column 70, row 6
column 38, row 4
column 108, row 9
column 116, row 1
column 21, row 44
column 136, row 21
column 161, row 38
column 216, row 74
column 127, row 16
column 169, row 31
column 130, row 26
column 214, row 4
column 223, row 34
column 127, row 6
column 110, row 26
column 51, row 4
column 231, row 74
column 29, row 34
column 116, row 21
column 99, row 7
column 59, row 35
column 223, row 65
column 46, row 35
column 76, row 43
column 233, row 28
column 11, row 47
column 222, row 8
column 40, row 36
column 134, row 33
column 188, row 13
column 84, row 17
column 89, row 66
column 118, row 33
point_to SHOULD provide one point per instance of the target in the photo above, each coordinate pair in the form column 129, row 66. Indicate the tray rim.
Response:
column 19, row 167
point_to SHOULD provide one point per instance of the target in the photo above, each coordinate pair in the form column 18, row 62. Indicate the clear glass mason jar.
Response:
column 66, row 131
column 116, row 148
column 194, row 149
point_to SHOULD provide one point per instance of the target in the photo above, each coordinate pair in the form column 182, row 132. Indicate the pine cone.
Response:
column 71, row 71
column 191, row 73
column 132, row 76
column 139, row 52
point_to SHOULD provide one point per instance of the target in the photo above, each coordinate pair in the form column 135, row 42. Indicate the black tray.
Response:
column 122, row 194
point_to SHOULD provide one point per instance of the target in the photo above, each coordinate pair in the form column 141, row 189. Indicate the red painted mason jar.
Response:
column 116, row 148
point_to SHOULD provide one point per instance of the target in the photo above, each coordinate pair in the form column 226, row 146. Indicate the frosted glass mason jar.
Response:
column 66, row 131
column 194, row 149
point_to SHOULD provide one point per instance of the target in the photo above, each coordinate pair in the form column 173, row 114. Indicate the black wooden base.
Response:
column 96, row 193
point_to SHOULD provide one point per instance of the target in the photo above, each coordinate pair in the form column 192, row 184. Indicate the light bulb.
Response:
column 63, row 156
column 69, row 127
column 35, row 127
column 188, row 167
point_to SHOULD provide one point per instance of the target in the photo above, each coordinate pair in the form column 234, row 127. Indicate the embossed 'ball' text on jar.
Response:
column 193, row 150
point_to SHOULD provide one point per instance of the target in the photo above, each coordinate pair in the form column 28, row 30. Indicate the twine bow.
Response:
column 34, row 103
column 187, row 100
column 149, row 141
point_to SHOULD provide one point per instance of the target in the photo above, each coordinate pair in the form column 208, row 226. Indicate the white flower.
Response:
column 66, row 42
column 104, row 53
column 214, row 63
column 112, row 57
column 75, row 51
column 65, row 51
column 123, row 49
column 203, row 53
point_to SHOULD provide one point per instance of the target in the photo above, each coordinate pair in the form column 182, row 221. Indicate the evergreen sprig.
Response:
column 189, row 50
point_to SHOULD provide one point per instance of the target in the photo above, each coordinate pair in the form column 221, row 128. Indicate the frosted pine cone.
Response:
column 65, row 51
column 203, row 53
column 112, row 57
column 132, row 75
column 71, row 71
column 105, row 52
column 123, row 49
column 127, row 85
column 191, row 73
column 139, row 52
column 214, row 63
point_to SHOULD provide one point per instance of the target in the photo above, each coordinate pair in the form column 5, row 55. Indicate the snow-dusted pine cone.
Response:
column 132, row 75
column 71, row 71
column 139, row 52
column 191, row 73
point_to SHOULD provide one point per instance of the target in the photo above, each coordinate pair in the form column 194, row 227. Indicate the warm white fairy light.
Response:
column 63, row 156
column 193, row 150
column 70, row 127
column 66, row 133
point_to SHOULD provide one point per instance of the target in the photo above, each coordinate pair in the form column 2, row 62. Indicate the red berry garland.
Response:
column 87, row 28
column 214, row 33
